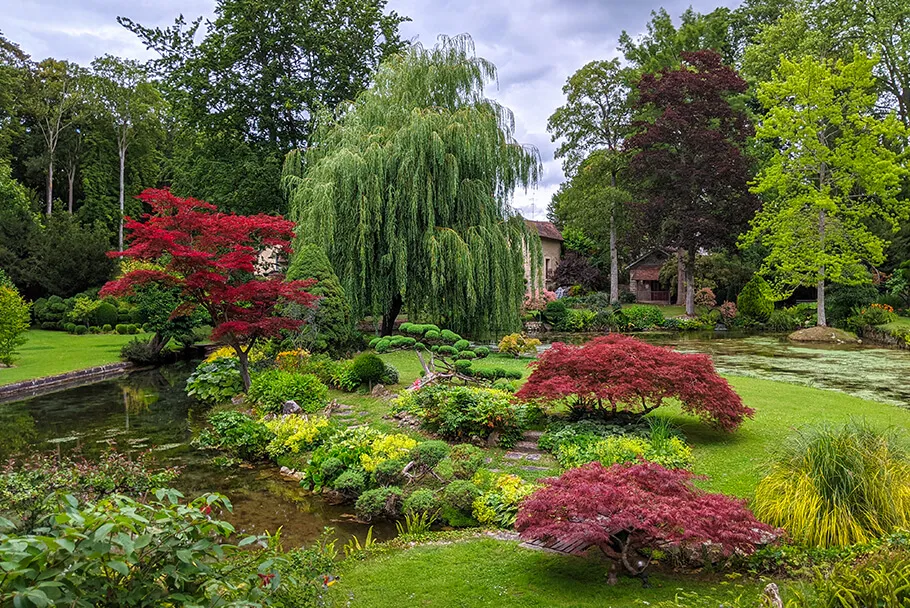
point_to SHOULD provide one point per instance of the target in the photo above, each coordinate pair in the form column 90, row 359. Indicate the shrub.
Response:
column 104, row 314
column 420, row 501
column 459, row 412
column 330, row 469
column 216, row 381
column 482, row 352
column 500, row 499
column 296, row 434
column 462, row 345
column 517, row 344
column 449, row 336
column 555, row 313
column 389, row 375
column 870, row 316
column 14, row 319
column 106, row 328
column 783, row 320
column 627, row 510
column 460, row 494
column 83, row 311
column 121, row 329
column 465, row 460
column 705, row 297
column 466, row 355
column 368, row 368
column 343, row 376
column 388, row 472
column 386, row 447
column 618, row 373
column 140, row 352
column 428, row 454
column 579, row 320
column 70, row 327
column 841, row 300
column 642, row 317
column 881, row 579
column 755, row 301
column 122, row 552
column 272, row 388
column 837, row 486
column 728, row 311
column 81, row 330
column 381, row 502
column 238, row 434
column 351, row 483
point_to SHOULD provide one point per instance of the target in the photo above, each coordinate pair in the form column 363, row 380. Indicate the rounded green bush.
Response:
column 330, row 469
column 121, row 328
column 434, row 348
column 70, row 327
column 107, row 328
column 449, row 336
column 390, row 375
column 423, row 500
column 351, row 482
column 430, row 453
column 383, row 345
column 420, row 346
column 460, row 495
column 388, row 472
column 482, row 352
column 463, row 366
column 374, row 342
column 105, row 314
column 447, row 351
column 81, row 329
column 415, row 330
column 462, row 345
column 94, row 329
column 404, row 327
column 467, row 354
column 754, row 301
column 368, row 368
column 378, row 503
column 466, row 459
column 432, row 335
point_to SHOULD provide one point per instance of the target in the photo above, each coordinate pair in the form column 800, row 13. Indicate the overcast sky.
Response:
column 535, row 44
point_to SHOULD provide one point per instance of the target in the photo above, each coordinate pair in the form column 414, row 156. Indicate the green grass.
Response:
column 900, row 323
column 494, row 573
column 672, row 311
column 734, row 462
column 55, row 352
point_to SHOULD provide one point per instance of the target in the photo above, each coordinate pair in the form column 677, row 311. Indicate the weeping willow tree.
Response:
column 407, row 188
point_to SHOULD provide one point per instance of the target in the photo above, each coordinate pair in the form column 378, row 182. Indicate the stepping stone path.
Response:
column 345, row 414
column 526, row 449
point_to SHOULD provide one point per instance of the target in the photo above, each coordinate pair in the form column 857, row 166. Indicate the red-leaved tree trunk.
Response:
column 211, row 258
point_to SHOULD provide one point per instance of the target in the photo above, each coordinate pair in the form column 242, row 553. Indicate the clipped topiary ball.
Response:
column 462, row 345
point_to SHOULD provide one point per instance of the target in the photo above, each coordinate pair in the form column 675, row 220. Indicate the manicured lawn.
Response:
column 500, row 574
column 55, row 352
column 901, row 323
column 673, row 311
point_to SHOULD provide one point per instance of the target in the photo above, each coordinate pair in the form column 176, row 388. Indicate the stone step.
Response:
column 514, row 455
column 532, row 435
column 526, row 446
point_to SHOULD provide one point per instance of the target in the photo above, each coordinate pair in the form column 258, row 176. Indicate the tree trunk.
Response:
column 388, row 319
column 614, row 261
column 680, row 278
column 690, row 282
column 614, row 257
column 244, row 367
column 120, row 231
column 820, row 288
column 50, row 187
column 70, row 178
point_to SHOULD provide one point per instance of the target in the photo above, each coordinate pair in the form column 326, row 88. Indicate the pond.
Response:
column 149, row 411
column 861, row 370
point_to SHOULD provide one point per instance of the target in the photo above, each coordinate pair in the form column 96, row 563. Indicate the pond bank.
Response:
column 58, row 382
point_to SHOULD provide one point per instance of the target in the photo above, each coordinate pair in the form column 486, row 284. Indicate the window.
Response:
column 546, row 266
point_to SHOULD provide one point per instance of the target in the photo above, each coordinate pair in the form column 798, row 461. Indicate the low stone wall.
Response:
column 39, row 386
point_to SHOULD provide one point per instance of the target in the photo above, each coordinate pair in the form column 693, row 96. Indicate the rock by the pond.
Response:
column 287, row 472
column 380, row 392
column 290, row 407
column 238, row 399
column 831, row 335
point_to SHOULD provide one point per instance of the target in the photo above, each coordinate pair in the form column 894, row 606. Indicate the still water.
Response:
column 150, row 411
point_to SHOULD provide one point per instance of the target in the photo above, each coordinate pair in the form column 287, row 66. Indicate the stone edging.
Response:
column 36, row 386
column 884, row 338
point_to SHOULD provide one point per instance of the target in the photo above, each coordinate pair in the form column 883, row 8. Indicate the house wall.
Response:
column 552, row 251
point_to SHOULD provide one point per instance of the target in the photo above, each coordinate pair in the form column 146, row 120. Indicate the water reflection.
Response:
column 150, row 411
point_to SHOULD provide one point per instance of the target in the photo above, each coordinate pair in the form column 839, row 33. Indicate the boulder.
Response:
column 829, row 335
column 290, row 407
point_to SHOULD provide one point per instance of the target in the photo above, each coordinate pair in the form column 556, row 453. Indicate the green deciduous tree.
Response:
column 834, row 169
column 53, row 90
column 278, row 62
column 124, row 96
column 593, row 123
column 408, row 192
column 14, row 318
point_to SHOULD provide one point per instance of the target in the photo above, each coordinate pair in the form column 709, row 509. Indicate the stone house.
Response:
column 551, row 244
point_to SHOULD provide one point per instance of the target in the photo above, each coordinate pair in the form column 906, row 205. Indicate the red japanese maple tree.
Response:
column 618, row 373
column 627, row 511
column 211, row 258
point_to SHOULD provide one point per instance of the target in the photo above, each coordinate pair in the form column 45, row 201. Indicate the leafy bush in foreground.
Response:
column 215, row 382
column 14, row 317
column 629, row 511
column 837, row 486
column 615, row 373
column 517, row 344
column 238, row 434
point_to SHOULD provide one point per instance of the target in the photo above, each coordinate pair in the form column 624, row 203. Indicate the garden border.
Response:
column 48, row 384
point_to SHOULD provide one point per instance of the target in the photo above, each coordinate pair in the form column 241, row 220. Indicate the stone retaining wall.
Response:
column 880, row 336
column 38, row 386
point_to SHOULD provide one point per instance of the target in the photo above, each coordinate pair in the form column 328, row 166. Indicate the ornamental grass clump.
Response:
column 837, row 486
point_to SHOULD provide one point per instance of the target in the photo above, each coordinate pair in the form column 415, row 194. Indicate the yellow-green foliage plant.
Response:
column 837, row 486
column 516, row 344
column 296, row 434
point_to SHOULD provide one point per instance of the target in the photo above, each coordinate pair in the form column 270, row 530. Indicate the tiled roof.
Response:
column 546, row 230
